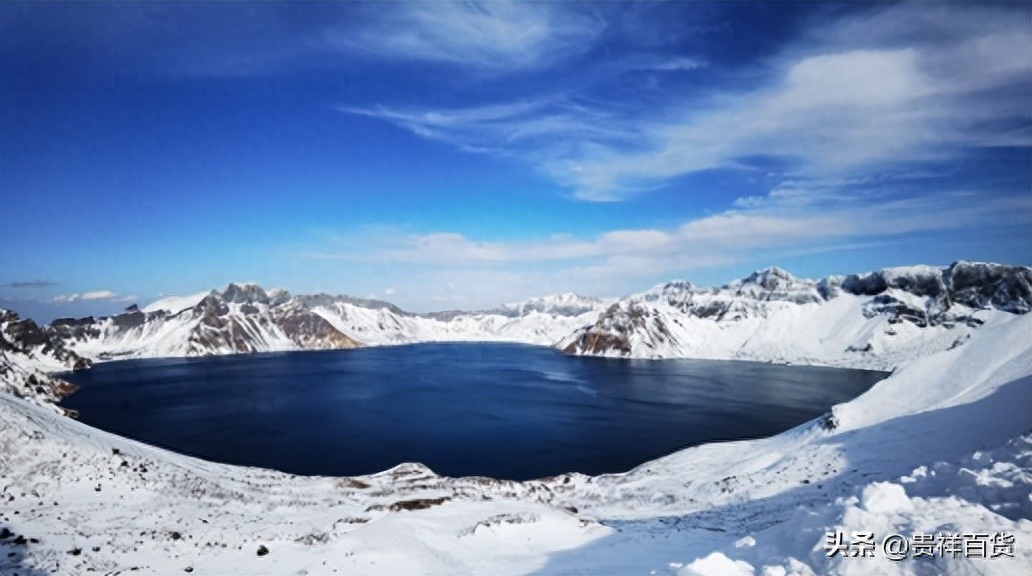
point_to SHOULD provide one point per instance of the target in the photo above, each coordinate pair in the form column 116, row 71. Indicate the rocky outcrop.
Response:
column 981, row 285
column 309, row 330
column 243, row 318
column 948, row 295
column 27, row 337
column 28, row 355
column 656, row 322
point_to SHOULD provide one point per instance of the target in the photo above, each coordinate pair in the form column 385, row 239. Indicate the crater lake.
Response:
column 486, row 409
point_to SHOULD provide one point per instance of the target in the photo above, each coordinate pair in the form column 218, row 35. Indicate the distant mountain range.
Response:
column 870, row 320
column 246, row 318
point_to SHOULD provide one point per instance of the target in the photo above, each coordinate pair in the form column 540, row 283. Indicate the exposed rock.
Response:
column 979, row 285
column 865, row 285
column 24, row 348
column 130, row 319
column 311, row 331
column 920, row 295
column 315, row 300
column 240, row 293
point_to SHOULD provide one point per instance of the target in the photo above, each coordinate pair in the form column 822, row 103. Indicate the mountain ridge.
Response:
column 840, row 320
column 769, row 315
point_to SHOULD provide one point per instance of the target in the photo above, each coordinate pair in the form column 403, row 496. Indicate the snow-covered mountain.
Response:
column 568, row 304
column 28, row 356
column 242, row 318
column 942, row 447
column 246, row 318
column 873, row 320
column 543, row 321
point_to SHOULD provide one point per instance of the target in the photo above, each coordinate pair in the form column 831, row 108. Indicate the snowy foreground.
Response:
column 943, row 447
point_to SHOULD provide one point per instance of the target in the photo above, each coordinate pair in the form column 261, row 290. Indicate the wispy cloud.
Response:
column 658, row 63
column 182, row 39
column 880, row 90
column 30, row 284
column 93, row 296
column 797, row 218
column 803, row 218
column 497, row 35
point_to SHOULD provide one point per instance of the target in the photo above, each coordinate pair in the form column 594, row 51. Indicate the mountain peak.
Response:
column 243, row 293
column 770, row 278
column 770, row 272
column 566, row 304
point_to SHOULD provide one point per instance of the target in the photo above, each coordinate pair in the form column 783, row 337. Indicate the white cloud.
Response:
column 535, row 129
column 676, row 63
column 390, row 291
column 864, row 97
column 268, row 38
column 93, row 296
column 799, row 218
column 495, row 35
column 657, row 63
column 842, row 113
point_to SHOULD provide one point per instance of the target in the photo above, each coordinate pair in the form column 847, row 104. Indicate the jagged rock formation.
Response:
column 772, row 315
column 242, row 318
column 245, row 318
column 309, row 330
column 971, row 285
column 28, row 354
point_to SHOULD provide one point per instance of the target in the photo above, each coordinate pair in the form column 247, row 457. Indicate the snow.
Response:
column 246, row 319
column 897, row 314
column 885, row 498
column 717, row 563
column 567, row 304
column 175, row 304
column 772, row 316
column 378, row 327
column 943, row 446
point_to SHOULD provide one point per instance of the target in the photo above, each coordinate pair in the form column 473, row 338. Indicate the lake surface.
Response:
column 500, row 410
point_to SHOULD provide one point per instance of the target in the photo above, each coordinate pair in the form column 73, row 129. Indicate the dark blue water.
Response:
column 500, row 410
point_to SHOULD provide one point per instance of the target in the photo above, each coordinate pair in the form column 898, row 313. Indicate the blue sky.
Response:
column 460, row 155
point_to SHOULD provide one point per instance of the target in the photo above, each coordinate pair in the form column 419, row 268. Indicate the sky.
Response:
column 461, row 155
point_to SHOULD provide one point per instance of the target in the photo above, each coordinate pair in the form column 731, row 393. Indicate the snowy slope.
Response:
column 28, row 355
column 943, row 445
column 175, row 304
column 240, row 319
column 530, row 325
column 567, row 304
